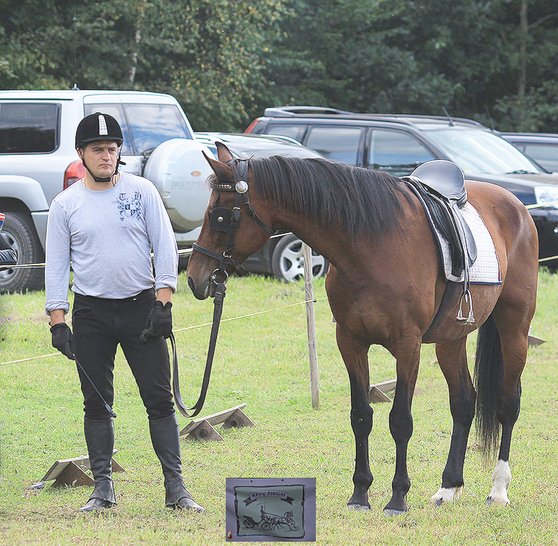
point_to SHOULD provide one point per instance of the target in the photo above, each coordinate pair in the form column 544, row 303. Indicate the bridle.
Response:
column 225, row 220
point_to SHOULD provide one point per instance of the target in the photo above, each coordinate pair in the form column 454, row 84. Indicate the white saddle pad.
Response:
column 486, row 269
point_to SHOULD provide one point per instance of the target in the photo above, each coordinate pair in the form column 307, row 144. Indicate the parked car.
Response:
column 542, row 147
column 282, row 256
column 38, row 160
column 399, row 143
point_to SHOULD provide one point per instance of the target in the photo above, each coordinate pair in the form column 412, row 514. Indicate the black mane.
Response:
column 330, row 193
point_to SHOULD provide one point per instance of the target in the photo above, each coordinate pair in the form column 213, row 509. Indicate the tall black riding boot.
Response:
column 99, row 436
column 165, row 436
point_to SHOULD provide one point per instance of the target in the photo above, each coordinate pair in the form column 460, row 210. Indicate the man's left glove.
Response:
column 159, row 321
column 63, row 339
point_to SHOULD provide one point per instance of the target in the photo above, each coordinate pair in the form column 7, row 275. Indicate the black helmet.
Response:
column 97, row 126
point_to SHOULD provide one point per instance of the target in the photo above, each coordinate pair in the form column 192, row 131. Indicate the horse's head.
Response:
column 232, row 230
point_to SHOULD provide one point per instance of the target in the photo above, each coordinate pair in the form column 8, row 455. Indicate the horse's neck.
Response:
column 333, row 244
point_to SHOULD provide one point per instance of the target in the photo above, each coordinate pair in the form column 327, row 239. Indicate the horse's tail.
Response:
column 489, row 375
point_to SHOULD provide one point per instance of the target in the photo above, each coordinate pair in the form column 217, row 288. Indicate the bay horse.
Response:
column 384, row 286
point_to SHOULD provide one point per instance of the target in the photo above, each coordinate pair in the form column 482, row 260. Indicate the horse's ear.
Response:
column 223, row 171
column 223, row 153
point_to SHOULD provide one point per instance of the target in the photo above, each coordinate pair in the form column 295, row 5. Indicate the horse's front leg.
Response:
column 355, row 356
column 401, row 427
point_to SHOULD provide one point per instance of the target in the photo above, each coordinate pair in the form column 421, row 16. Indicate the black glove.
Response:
column 63, row 339
column 159, row 321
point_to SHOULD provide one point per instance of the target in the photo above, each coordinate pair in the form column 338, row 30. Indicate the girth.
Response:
column 439, row 186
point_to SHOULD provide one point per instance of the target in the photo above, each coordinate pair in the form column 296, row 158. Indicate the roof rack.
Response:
column 318, row 111
column 290, row 111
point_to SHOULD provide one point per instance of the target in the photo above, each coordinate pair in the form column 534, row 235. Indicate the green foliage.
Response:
column 226, row 61
column 214, row 48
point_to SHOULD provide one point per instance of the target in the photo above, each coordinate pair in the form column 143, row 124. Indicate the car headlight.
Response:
column 547, row 196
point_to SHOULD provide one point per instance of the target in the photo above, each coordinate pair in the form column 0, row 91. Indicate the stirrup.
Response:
column 470, row 319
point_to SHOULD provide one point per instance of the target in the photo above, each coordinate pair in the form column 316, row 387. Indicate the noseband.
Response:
column 226, row 220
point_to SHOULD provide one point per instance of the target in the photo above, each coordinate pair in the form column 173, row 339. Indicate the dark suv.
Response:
column 399, row 143
column 542, row 147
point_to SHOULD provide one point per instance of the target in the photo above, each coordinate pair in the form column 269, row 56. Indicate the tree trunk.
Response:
column 524, row 35
column 134, row 66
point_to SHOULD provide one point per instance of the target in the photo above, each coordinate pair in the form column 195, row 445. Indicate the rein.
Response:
column 225, row 220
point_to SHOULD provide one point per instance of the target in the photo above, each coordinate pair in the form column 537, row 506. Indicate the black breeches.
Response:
column 99, row 326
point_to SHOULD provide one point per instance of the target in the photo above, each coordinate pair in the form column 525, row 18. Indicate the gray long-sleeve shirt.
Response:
column 108, row 236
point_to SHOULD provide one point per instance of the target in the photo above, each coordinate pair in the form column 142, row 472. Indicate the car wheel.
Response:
column 19, row 231
column 287, row 262
column 183, row 261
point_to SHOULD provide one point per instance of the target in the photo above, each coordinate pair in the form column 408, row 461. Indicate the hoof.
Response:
column 395, row 508
column 358, row 507
column 392, row 513
column 445, row 495
column 497, row 501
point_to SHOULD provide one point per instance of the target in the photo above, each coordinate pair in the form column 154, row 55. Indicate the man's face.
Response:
column 101, row 157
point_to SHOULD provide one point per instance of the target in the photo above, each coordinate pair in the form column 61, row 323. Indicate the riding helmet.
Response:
column 97, row 126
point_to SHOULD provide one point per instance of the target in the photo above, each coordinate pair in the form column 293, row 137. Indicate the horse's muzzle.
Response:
column 200, row 290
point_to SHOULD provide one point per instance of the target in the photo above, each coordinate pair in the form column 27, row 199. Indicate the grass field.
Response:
column 262, row 359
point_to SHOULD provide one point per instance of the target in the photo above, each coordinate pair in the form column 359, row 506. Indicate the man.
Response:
column 8, row 255
column 106, row 225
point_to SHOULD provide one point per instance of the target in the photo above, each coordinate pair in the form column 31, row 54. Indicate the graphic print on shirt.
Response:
column 130, row 207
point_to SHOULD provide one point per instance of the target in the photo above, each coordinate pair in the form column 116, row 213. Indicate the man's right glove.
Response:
column 63, row 339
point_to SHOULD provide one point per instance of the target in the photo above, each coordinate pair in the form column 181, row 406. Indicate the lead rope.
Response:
column 219, row 279
column 217, row 312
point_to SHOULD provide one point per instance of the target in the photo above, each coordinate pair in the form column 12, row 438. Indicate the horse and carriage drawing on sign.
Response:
column 387, row 285
column 271, row 522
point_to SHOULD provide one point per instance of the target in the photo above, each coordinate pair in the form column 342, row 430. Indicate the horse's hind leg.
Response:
column 355, row 356
column 514, row 355
column 452, row 358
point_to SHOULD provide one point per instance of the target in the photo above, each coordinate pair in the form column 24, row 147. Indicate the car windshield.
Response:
column 480, row 152
column 153, row 124
column 145, row 126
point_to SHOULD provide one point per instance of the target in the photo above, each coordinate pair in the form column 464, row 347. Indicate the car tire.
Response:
column 287, row 261
column 19, row 231
column 183, row 260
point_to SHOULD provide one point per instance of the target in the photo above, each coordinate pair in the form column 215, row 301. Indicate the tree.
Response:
column 355, row 55
column 534, row 107
column 226, row 61
column 208, row 52
column 205, row 52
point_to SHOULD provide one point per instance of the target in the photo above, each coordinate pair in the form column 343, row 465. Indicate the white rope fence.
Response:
column 203, row 325
column 187, row 251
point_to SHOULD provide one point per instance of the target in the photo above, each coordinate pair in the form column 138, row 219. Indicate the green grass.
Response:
column 262, row 359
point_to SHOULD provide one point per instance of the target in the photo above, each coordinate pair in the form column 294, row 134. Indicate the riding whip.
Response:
column 108, row 408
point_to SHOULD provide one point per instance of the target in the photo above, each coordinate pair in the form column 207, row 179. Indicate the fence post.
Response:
column 311, row 326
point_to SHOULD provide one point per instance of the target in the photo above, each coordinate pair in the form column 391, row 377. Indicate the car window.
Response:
column 153, row 124
column 336, row 143
column 481, row 152
column 545, row 154
column 396, row 152
column 29, row 128
column 114, row 110
column 293, row 131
